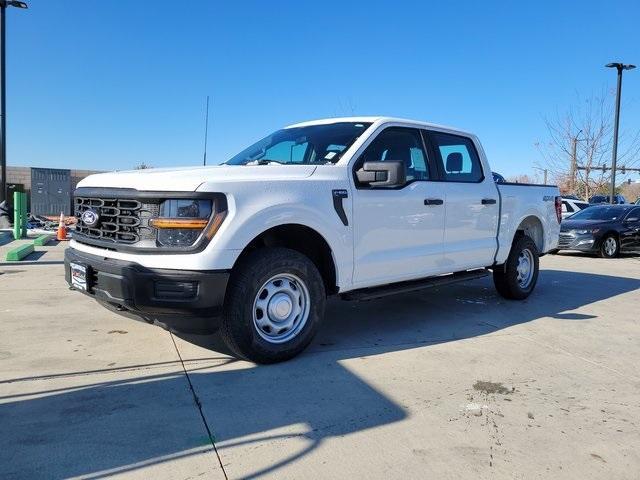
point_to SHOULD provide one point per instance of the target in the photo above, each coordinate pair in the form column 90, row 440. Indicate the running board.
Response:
column 413, row 285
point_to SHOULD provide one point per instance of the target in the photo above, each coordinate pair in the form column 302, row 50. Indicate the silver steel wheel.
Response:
column 525, row 268
column 610, row 246
column 281, row 308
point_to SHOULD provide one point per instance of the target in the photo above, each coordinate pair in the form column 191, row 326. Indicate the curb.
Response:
column 42, row 240
column 20, row 252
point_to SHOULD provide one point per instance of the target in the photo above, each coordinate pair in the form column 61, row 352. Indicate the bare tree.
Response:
column 579, row 146
column 631, row 191
column 142, row 166
column 521, row 178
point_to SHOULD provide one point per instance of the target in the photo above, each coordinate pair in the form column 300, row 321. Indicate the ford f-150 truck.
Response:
column 358, row 207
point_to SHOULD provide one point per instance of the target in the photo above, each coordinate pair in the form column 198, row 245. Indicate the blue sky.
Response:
column 109, row 84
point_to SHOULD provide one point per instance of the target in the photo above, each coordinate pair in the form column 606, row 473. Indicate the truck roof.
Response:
column 380, row 120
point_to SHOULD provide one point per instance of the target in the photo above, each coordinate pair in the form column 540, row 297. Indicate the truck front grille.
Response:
column 120, row 221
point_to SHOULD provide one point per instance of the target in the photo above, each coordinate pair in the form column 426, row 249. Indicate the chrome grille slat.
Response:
column 122, row 221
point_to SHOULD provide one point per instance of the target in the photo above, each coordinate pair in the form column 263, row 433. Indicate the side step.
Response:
column 413, row 285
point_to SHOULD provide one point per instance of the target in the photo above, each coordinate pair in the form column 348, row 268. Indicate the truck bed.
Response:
column 517, row 204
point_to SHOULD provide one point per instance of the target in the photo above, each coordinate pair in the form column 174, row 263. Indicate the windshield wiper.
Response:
column 263, row 161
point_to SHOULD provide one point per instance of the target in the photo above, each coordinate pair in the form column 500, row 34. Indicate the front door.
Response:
column 398, row 232
column 630, row 232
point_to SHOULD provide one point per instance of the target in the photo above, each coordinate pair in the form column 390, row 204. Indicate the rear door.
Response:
column 471, row 202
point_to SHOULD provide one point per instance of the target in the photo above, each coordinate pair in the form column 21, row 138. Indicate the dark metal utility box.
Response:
column 50, row 191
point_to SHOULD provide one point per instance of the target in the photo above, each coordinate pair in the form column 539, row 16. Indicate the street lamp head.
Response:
column 14, row 3
column 620, row 66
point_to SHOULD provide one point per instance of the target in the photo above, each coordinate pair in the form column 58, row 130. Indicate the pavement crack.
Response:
column 196, row 400
column 579, row 357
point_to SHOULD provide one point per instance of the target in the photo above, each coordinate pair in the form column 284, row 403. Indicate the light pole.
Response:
column 3, row 103
column 614, row 155
column 543, row 170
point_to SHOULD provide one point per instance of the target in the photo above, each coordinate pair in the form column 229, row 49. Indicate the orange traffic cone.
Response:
column 62, row 229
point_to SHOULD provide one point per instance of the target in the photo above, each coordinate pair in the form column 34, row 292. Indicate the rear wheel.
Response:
column 517, row 278
column 274, row 305
column 609, row 247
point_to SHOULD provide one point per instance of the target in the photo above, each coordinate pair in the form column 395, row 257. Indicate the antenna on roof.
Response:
column 206, row 129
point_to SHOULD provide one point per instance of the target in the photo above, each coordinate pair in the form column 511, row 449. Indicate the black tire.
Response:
column 505, row 277
column 604, row 251
column 238, row 330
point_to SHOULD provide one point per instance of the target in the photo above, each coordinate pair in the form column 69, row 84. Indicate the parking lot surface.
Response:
column 453, row 382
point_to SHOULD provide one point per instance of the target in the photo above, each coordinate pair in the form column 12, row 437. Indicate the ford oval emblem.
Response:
column 90, row 218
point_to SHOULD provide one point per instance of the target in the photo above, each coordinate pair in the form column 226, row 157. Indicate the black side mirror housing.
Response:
column 382, row 174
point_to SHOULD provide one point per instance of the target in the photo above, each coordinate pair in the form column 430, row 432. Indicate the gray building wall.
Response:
column 23, row 175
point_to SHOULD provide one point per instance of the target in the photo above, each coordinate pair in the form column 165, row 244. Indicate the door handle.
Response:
column 488, row 201
column 433, row 201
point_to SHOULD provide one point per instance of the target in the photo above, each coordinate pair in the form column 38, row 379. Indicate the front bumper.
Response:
column 572, row 241
column 186, row 301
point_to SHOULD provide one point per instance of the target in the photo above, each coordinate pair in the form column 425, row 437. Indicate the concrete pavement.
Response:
column 447, row 383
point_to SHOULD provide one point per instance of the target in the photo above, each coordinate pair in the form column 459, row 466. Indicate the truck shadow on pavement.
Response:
column 137, row 420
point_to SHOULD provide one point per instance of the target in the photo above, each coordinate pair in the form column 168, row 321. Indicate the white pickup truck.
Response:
column 358, row 207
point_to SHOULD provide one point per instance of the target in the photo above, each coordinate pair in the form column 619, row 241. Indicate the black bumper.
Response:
column 181, row 300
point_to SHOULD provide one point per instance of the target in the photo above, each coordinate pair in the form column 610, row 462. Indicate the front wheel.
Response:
column 610, row 247
column 517, row 278
column 273, row 306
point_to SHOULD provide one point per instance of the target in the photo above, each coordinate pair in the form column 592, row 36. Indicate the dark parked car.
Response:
column 617, row 199
column 604, row 229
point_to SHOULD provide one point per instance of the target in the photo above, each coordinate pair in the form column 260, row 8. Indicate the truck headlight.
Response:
column 181, row 222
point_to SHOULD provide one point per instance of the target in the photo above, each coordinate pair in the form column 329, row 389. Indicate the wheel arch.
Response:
column 532, row 226
column 301, row 238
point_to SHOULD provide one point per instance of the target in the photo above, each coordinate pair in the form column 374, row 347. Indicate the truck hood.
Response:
column 188, row 179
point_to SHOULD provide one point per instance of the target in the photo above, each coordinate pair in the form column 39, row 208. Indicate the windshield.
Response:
column 600, row 213
column 315, row 144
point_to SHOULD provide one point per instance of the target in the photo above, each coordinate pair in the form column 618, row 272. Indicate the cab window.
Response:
column 457, row 157
column 399, row 144
column 634, row 213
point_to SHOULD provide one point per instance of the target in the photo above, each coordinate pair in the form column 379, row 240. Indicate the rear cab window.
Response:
column 457, row 157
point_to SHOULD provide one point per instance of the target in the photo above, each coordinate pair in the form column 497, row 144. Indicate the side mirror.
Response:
column 382, row 174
